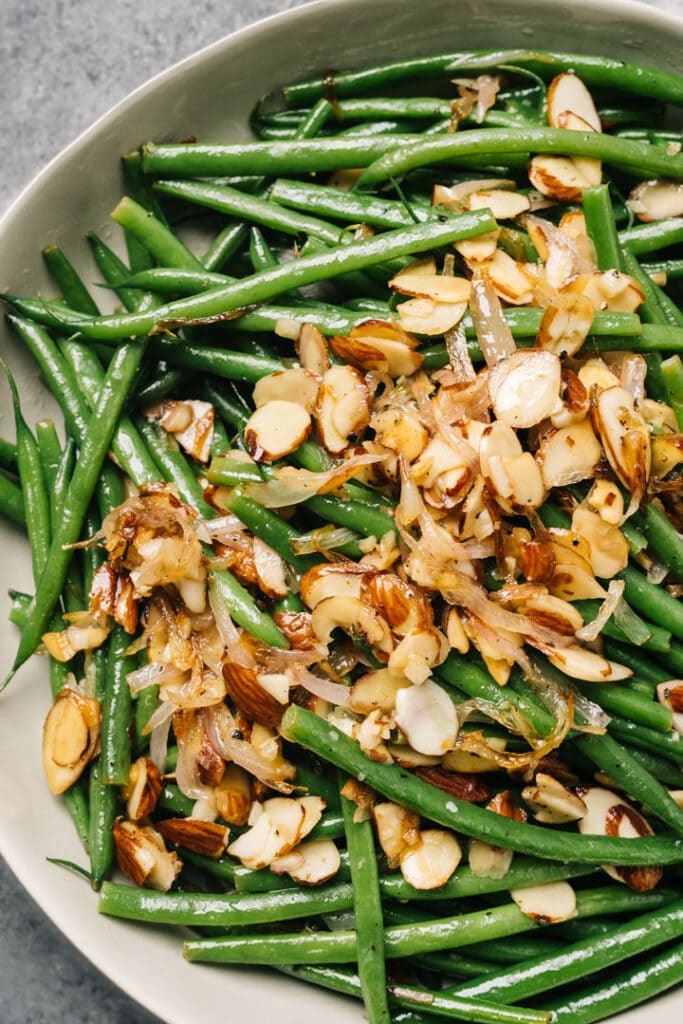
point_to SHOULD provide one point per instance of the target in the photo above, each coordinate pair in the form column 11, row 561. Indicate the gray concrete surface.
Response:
column 63, row 63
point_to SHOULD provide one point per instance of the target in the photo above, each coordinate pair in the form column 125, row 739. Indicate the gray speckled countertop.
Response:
column 62, row 64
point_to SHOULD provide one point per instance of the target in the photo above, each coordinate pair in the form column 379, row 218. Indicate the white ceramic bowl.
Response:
column 210, row 96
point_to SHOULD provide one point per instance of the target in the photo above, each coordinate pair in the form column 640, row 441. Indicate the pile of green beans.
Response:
column 210, row 325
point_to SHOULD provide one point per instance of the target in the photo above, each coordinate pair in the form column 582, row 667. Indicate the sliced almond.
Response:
column 525, row 388
column 376, row 691
column 609, row 290
column 596, row 374
column 70, row 737
column 609, row 548
column 418, row 653
column 233, row 795
column 551, row 802
column 569, row 455
column 270, row 570
column 503, row 204
column 580, row 663
column 293, row 385
column 398, row 830
column 610, row 815
column 657, row 199
column 354, row 617
column 487, row 861
column 431, row 863
column 250, row 695
column 549, row 903
column 310, row 863
column 467, row 762
column 343, row 408
column 404, row 606
column 606, row 498
column 385, row 354
column 400, row 432
column 313, row 810
column 427, row 717
column 567, row 92
column 332, row 579
column 566, row 323
column 480, row 249
column 191, row 422
column 276, row 429
column 425, row 316
column 311, row 350
column 438, row 287
column 625, row 438
column 142, row 856
column 275, row 832
column 509, row 279
column 143, row 789
column 561, row 178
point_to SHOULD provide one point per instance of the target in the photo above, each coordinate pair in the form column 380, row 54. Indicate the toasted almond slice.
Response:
column 392, row 357
column 467, row 762
column 417, row 654
column 311, row 349
column 670, row 694
column 517, row 482
column 525, row 387
column 277, row 684
column 487, row 861
column 403, row 605
column 503, row 204
column 569, row 455
column 354, row 617
column 560, row 178
column 143, row 789
column 666, row 454
column 438, row 287
column 287, row 817
column 574, row 582
column 595, row 373
column 142, row 856
column 610, row 815
column 313, row 810
column 609, row 290
column 551, row 802
column 625, row 438
column 270, row 570
column 293, row 385
column 191, row 422
column 432, row 862
column 606, row 498
column 480, row 249
column 509, row 279
column 343, row 408
column 400, row 432
column 550, row 903
column 657, row 199
column 609, row 548
column 554, row 613
column 310, row 863
column 233, row 795
column 424, row 316
column 455, row 631
column 276, row 429
column 250, row 695
column 454, row 198
column 259, row 846
column 332, row 579
column 376, row 690
column 579, row 663
column 70, row 737
column 426, row 716
column 566, row 324
column 567, row 92
column 397, row 830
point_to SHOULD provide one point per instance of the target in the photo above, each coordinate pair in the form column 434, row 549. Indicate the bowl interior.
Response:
column 210, row 96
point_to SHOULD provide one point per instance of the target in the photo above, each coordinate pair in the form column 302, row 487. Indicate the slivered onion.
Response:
column 592, row 630
column 493, row 334
column 335, row 693
column 292, row 486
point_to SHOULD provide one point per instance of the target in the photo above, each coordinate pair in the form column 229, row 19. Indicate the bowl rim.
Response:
column 632, row 9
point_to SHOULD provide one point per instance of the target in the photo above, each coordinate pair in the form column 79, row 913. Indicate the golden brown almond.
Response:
column 332, row 579
column 203, row 837
column 298, row 629
column 143, row 857
column 143, row 789
column 464, row 787
column 311, row 350
column 398, row 829
column 536, row 560
column 233, row 795
column 404, row 605
column 70, row 737
column 248, row 694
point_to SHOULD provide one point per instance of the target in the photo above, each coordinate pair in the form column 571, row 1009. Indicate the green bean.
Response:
column 326, row 741
column 635, row 735
column 242, row 366
column 233, row 472
column 664, row 540
column 166, row 381
column 331, row 262
column 672, row 268
column 227, row 408
column 117, row 383
column 116, row 273
column 50, row 451
column 146, row 703
column 645, row 980
column 650, row 237
column 672, row 371
column 8, row 454
column 173, row 466
column 634, row 78
column 369, row 521
column 165, row 247
column 224, row 587
column 11, row 501
column 673, row 659
column 409, row 939
column 441, row 1004
column 250, row 208
column 657, row 307
column 75, row 294
column 659, row 639
column 350, row 208
column 276, row 532
column 35, row 496
column 629, row 703
column 171, row 799
column 601, row 227
column 60, row 486
column 651, row 601
column 103, row 808
column 367, row 906
column 587, row 956
column 196, row 908
column 117, row 711
column 643, row 667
